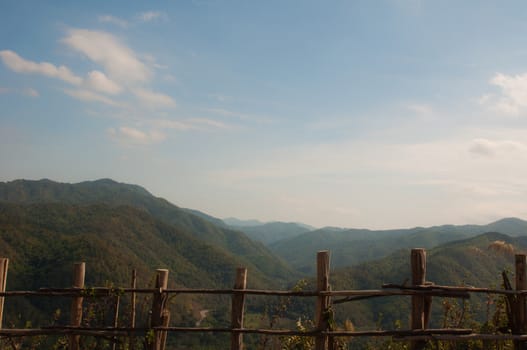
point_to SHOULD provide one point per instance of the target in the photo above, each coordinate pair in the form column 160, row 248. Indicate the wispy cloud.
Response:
column 95, row 79
column 119, row 61
column 90, row 96
column 133, row 136
column 153, row 99
column 99, row 81
column 20, row 65
column 122, row 70
column 237, row 115
column 209, row 123
column 113, row 20
column 167, row 124
column 150, row 16
column 512, row 99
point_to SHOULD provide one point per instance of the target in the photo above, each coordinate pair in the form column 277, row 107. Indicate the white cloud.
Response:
column 151, row 16
column 113, row 20
column 512, row 99
column 119, row 61
column 132, row 136
column 95, row 80
column 172, row 124
column 20, row 65
column 209, row 123
column 153, row 99
column 121, row 70
column 100, row 82
column 90, row 96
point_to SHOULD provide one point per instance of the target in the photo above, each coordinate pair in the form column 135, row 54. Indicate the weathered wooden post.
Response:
column 238, row 305
column 521, row 284
column 116, row 318
column 323, row 301
column 419, row 316
column 79, row 270
column 159, row 309
column 165, row 321
column 133, row 297
column 4, row 264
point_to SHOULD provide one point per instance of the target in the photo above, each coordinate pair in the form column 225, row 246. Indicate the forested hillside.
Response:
column 477, row 261
column 353, row 246
column 111, row 193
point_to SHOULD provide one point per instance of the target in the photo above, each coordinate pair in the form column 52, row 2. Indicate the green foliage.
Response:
column 109, row 193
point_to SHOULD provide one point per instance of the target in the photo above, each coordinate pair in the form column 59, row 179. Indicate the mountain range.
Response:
column 46, row 226
column 352, row 246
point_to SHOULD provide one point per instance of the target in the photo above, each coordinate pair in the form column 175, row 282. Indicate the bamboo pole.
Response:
column 237, row 308
column 418, row 266
column 323, row 302
column 4, row 264
column 79, row 270
column 158, row 308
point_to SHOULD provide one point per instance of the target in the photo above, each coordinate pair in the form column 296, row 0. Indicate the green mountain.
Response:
column 112, row 241
column 114, row 194
column 210, row 218
column 477, row 261
column 353, row 246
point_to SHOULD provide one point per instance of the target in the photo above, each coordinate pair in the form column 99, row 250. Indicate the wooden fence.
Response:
column 420, row 291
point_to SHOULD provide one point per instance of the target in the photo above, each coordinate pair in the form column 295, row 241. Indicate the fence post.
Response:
column 322, row 310
column 521, row 284
column 116, row 319
column 419, row 316
column 238, row 304
column 4, row 264
column 133, row 285
column 158, row 309
column 79, row 270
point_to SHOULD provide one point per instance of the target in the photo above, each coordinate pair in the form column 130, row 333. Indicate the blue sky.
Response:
column 377, row 114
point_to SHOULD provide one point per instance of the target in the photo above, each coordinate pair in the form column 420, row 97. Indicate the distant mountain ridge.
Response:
column 241, row 223
column 353, row 246
column 274, row 231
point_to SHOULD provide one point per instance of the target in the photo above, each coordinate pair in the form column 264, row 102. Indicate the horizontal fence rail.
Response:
column 323, row 332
